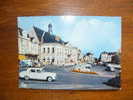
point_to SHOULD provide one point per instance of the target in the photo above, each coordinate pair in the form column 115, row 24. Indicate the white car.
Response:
column 83, row 67
column 77, row 67
column 37, row 73
column 86, row 67
column 114, row 65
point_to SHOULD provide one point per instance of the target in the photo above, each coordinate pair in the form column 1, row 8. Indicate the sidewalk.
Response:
column 68, row 86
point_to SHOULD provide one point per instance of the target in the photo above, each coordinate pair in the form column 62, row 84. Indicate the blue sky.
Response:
column 89, row 33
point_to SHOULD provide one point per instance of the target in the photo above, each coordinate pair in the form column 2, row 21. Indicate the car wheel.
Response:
column 26, row 77
column 49, row 79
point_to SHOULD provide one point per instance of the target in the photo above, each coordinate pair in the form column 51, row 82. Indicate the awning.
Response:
column 21, row 57
column 31, row 55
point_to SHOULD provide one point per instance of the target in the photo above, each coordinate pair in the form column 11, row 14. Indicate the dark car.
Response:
column 112, row 69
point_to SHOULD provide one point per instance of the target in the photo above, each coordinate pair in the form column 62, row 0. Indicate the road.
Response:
column 72, row 80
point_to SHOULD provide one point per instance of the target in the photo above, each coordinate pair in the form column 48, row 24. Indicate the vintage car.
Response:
column 83, row 67
column 37, row 73
column 116, row 66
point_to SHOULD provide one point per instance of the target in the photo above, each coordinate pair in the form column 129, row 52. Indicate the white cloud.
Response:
column 94, row 33
column 68, row 19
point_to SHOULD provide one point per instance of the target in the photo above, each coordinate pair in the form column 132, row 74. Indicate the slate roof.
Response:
column 109, row 53
column 47, row 38
column 39, row 32
column 89, row 53
column 20, row 31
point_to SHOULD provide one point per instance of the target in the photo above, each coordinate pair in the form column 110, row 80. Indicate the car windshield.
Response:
column 87, row 67
column 32, row 70
column 39, row 71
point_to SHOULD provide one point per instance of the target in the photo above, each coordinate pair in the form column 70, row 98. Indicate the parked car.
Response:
column 76, row 67
column 26, row 63
column 23, row 64
column 112, row 69
column 115, row 66
column 37, row 73
column 86, row 67
column 115, row 82
column 83, row 67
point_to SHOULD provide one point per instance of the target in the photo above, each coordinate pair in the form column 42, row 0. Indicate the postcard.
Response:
column 69, row 52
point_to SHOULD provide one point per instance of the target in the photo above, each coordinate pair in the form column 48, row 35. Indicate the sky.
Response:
column 93, row 34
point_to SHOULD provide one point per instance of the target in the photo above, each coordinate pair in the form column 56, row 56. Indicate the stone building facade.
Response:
column 55, row 51
column 59, row 54
column 46, row 47
column 27, row 47
column 89, row 58
column 107, row 56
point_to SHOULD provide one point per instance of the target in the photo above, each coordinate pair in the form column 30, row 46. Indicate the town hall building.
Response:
column 51, row 49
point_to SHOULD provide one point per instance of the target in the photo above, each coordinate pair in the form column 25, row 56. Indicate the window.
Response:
column 38, row 71
column 44, row 50
column 48, row 60
column 48, row 50
column 53, row 60
column 32, row 70
column 31, row 39
column 21, row 33
column 53, row 50
column 28, row 36
column 44, row 59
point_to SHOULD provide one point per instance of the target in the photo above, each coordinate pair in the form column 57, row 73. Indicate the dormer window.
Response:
column 28, row 36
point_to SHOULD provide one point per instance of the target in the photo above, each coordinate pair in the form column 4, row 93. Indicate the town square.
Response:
column 76, row 60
